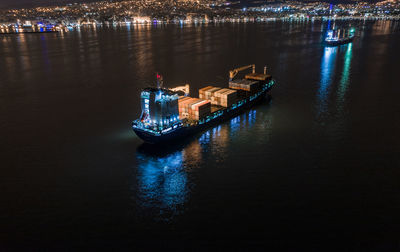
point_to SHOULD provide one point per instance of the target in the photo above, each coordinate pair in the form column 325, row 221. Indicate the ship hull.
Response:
column 185, row 131
column 339, row 42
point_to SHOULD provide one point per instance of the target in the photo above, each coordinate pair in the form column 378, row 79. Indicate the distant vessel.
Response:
column 167, row 114
column 339, row 37
column 29, row 28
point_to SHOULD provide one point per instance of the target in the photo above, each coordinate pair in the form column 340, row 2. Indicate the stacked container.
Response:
column 247, row 85
column 194, row 108
column 228, row 98
column 203, row 90
column 258, row 77
column 199, row 109
column 183, row 108
column 216, row 98
column 224, row 97
column 219, row 96
column 208, row 92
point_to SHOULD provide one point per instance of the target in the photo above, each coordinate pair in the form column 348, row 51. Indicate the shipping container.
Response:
column 210, row 93
column 224, row 97
column 228, row 98
column 194, row 108
column 202, row 90
column 247, row 85
column 258, row 76
column 183, row 106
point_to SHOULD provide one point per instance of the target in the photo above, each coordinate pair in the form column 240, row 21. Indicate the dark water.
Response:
column 317, row 168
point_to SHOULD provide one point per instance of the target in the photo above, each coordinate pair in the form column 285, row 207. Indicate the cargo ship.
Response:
column 339, row 37
column 170, row 114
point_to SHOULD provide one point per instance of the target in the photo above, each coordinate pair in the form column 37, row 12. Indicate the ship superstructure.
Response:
column 336, row 37
column 168, row 114
column 159, row 108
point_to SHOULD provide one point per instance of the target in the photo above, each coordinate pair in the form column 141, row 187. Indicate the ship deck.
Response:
column 215, row 108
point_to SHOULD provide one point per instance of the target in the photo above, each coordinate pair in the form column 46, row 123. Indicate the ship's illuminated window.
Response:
column 146, row 101
column 145, row 94
column 146, row 106
column 330, row 34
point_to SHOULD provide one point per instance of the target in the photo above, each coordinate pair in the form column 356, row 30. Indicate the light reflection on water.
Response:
column 45, row 54
column 251, row 117
column 166, row 174
column 162, row 178
column 162, row 181
column 335, row 79
column 327, row 76
column 329, row 63
column 344, row 81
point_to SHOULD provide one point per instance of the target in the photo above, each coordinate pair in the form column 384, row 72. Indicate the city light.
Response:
column 148, row 12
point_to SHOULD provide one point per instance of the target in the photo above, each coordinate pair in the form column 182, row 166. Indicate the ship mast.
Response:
column 160, row 81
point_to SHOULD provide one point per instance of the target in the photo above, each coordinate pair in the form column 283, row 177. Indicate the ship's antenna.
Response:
column 159, row 81
column 330, row 15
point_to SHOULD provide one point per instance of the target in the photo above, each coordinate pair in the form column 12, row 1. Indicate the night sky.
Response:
column 32, row 3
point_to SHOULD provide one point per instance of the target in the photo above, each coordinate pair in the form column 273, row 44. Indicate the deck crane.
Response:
column 185, row 89
column 235, row 71
column 253, row 75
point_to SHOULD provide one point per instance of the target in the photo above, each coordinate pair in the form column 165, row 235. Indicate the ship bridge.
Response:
column 159, row 108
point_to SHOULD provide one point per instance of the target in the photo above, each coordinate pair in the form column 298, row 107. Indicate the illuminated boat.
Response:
column 168, row 115
column 339, row 37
